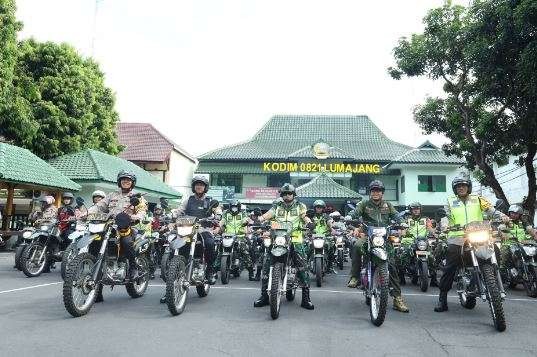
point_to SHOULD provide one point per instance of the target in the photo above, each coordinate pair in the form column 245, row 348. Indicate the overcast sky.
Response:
column 222, row 68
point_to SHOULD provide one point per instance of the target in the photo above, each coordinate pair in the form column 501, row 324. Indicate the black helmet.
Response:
column 164, row 202
column 257, row 211
column 287, row 188
column 376, row 184
column 235, row 203
column 68, row 195
column 128, row 175
column 461, row 180
column 319, row 203
column 414, row 205
column 200, row 179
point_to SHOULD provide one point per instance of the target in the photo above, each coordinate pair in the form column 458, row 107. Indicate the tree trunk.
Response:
column 490, row 178
column 529, row 202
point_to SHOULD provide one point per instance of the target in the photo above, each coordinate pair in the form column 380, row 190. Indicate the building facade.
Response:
column 154, row 152
column 350, row 150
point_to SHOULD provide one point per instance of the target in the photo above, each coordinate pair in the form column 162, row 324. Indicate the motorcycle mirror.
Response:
column 213, row 204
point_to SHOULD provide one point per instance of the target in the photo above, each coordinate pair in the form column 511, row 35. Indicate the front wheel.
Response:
column 176, row 292
column 494, row 297
column 224, row 269
column 319, row 271
column 531, row 283
column 275, row 287
column 379, row 294
column 164, row 265
column 424, row 277
column 137, row 288
column 68, row 255
column 340, row 259
column 79, row 289
column 34, row 259
column 18, row 256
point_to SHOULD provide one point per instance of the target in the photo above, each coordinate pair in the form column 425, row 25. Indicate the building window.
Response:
column 277, row 180
column 233, row 180
column 402, row 184
column 432, row 183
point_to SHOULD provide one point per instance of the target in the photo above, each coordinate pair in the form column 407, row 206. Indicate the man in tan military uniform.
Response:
column 47, row 211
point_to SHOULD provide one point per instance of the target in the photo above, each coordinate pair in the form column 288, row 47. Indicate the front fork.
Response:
column 97, row 267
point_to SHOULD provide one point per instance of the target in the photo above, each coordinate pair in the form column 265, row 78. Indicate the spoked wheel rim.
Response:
column 179, row 291
column 141, row 284
column 375, row 295
column 84, row 289
column 36, row 263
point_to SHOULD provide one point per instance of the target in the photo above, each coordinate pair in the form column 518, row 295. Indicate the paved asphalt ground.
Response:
column 225, row 323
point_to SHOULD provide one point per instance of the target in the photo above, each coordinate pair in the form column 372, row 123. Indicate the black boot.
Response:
column 99, row 294
column 251, row 274
column 434, row 281
column 258, row 274
column 306, row 302
column 133, row 271
column 210, row 276
column 263, row 300
column 442, row 302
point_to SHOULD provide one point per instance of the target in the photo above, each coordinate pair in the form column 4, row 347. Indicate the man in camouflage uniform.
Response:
column 518, row 232
column 462, row 208
column 48, row 210
column 126, row 201
column 288, row 209
column 323, row 226
column 234, row 221
column 378, row 213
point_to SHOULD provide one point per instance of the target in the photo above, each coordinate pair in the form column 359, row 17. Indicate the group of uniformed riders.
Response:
column 447, row 230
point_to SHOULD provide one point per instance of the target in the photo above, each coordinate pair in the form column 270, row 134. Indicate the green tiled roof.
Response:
column 323, row 186
column 427, row 153
column 20, row 166
column 354, row 138
column 92, row 165
column 226, row 168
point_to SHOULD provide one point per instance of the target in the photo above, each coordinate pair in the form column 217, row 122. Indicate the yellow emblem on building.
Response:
column 321, row 151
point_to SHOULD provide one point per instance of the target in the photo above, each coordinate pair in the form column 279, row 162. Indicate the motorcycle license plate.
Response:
column 422, row 253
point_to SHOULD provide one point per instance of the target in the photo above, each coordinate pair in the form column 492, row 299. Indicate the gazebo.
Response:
column 325, row 188
column 21, row 169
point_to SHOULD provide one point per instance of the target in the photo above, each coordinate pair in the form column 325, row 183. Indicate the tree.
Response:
column 62, row 103
column 8, row 50
column 482, row 124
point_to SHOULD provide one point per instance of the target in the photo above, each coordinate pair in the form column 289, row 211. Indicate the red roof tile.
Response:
column 144, row 143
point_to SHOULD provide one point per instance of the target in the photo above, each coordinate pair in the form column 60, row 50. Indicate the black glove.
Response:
column 134, row 201
column 310, row 226
column 79, row 201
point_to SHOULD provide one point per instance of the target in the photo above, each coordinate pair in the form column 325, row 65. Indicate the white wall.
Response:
column 411, row 193
column 180, row 173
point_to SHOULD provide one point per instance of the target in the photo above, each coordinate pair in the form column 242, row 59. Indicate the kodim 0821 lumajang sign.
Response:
column 354, row 168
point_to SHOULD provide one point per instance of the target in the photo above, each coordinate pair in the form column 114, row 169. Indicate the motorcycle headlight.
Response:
column 279, row 240
column 227, row 242
column 422, row 245
column 80, row 227
column 478, row 237
column 26, row 234
column 44, row 228
column 267, row 242
column 318, row 243
column 96, row 228
column 378, row 241
column 530, row 250
column 184, row 230
column 339, row 240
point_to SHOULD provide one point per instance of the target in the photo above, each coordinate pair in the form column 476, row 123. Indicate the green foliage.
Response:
column 62, row 104
column 8, row 49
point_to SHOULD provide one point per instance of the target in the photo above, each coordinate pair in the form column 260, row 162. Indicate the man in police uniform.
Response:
column 289, row 210
column 234, row 221
column 323, row 226
column 462, row 208
column 197, row 205
column 125, row 201
column 376, row 212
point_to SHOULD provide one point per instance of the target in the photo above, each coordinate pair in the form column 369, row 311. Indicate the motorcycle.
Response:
column 72, row 251
column 187, row 265
column 230, row 263
column 339, row 239
column 26, row 238
column 43, row 249
column 282, row 273
column 479, row 276
column 375, row 274
column 420, row 263
column 318, row 260
column 87, row 273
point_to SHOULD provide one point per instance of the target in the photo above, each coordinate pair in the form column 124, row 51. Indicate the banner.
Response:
column 262, row 193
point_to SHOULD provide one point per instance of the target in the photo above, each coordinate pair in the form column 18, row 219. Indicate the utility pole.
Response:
column 94, row 36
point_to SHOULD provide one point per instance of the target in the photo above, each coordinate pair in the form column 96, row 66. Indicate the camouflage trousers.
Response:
column 299, row 257
column 506, row 260
column 243, row 253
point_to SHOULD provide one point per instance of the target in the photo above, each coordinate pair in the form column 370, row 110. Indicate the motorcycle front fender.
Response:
column 319, row 256
column 177, row 243
column 85, row 240
column 379, row 253
column 484, row 253
column 279, row 251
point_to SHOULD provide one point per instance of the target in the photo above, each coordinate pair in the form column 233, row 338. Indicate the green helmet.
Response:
column 287, row 188
column 415, row 205
column 319, row 203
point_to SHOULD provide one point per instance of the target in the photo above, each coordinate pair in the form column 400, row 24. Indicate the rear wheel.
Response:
column 68, row 255
column 79, row 289
column 494, row 297
column 224, row 269
column 275, row 296
column 531, row 284
column 176, row 292
column 18, row 255
column 379, row 294
column 290, row 294
column 319, row 271
column 137, row 288
column 164, row 265
column 340, row 259
column 34, row 259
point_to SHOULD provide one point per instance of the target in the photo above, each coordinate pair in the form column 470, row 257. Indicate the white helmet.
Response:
column 98, row 193
column 49, row 200
column 335, row 214
column 515, row 209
